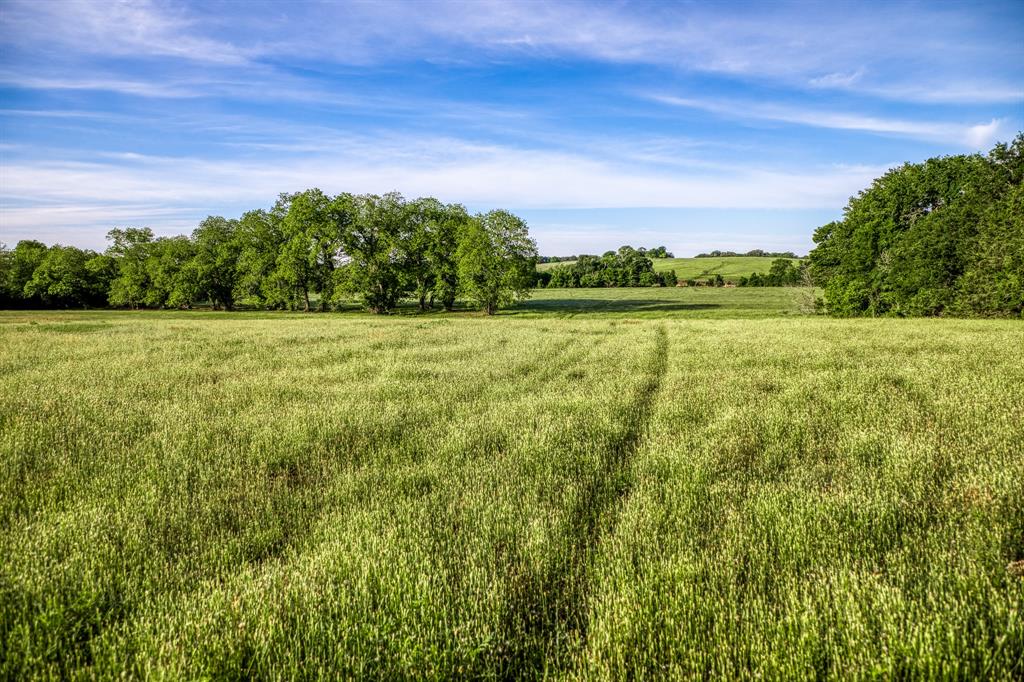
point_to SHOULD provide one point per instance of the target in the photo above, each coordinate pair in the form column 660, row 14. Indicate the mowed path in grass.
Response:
column 553, row 491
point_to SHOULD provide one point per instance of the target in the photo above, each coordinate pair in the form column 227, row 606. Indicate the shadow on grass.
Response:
column 584, row 305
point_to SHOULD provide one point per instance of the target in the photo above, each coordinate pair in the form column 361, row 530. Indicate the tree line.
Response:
column 374, row 249
column 759, row 253
column 943, row 237
column 627, row 267
column 656, row 252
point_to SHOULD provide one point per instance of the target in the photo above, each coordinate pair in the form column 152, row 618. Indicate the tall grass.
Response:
column 188, row 496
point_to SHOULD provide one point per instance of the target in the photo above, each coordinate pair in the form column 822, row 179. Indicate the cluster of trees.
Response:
column 34, row 275
column 656, row 252
column 943, row 237
column 375, row 249
column 753, row 252
column 627, row 267
column 782, row 273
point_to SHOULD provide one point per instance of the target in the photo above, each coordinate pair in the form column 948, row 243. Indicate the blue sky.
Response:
column 699, row 126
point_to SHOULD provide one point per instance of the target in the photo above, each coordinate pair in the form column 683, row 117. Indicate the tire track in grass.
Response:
column 548, row 619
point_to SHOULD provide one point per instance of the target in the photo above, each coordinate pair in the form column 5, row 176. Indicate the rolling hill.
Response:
column 730, row 267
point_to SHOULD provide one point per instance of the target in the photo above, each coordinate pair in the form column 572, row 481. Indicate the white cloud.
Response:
column 128, row 27
column 858, row 49
column 837, row 80
column 984, row 135
column 164, row 192
column 972, row 136
column 128, row 87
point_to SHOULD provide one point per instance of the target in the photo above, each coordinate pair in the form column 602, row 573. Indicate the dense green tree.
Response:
column 926, row 239
column 173, row 282
column 259, row 238
column 63, row 279
column 310, row 240
column 496, row 260
column 19, row 266
column 783, row 272
column 994, row 281
column 327, row 237
column 429, row 250
column 421, row 218
column 130, row 247
column 213, row 271
column 656, row 252
column 627, row 267
column 101, row 270
column 442, row 253
column 757, row 253
column 373, row 251
column 379, row 249
column 6, row 257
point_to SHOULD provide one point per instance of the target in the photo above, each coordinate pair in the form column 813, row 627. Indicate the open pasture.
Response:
column 731, row 268
column 551, row 492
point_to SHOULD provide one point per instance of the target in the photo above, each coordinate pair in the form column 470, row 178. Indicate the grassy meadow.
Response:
column 598, row 484
column 731, row 268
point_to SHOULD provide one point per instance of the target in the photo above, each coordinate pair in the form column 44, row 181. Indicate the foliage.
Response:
column 627, row 267
column 783, row 273
column 753, row 253
column 260, row 239
column 430, row 251
column 496, row 260
column 19, row 264
column 656, row 252
column 64, row 278
column 375, row 249
column 130, row 248
column 935, row 238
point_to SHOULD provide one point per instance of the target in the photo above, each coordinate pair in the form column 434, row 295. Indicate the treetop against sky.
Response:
column 698, row 126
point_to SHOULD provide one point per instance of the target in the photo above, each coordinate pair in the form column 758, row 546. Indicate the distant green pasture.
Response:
column 730, row 268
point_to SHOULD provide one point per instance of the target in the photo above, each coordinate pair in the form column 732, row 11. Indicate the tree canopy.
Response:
column 783, row 272
column 759, row 253
column 627, row 267
column 377, row 250
column 943, row 237
column 496, row 260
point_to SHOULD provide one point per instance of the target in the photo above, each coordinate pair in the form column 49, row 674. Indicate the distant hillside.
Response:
column 730, row 267
column 757, row 253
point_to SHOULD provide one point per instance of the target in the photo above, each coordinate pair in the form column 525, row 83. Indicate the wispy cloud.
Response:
column 132, row 27
column 128, row 87
column 969, row 135
column 153, row 190
column 861, row 48
column 837, row 79
column 145, row 111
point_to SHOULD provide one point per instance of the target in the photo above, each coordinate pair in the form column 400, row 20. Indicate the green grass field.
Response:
column 599, row 484
column 730, row 268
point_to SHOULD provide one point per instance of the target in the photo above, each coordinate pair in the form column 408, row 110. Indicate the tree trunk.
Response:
column 305, row 296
